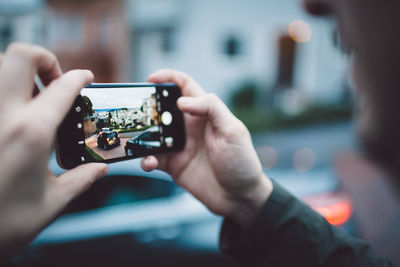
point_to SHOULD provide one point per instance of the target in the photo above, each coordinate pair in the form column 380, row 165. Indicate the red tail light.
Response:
column 336, row 208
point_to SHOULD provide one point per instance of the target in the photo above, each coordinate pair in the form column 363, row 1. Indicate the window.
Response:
column 6, row 35
column 232, row 46
column 65, row 29
column 167, row 42
column 146, row 137
column 287, row 57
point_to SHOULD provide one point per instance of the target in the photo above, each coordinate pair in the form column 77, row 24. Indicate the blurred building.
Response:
column 223, row 44
column 227, row 42
column 149, row 108
column 20, row 20
column 89, row 34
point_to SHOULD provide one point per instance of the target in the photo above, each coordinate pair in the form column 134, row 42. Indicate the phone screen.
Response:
column 120, row 122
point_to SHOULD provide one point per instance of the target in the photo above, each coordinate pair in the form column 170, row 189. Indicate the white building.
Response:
column 201, row 36
column 20, row 20
column 194, row 36
column 149, row 110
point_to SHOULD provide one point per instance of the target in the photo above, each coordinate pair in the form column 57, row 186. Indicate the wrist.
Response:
column 247, row 207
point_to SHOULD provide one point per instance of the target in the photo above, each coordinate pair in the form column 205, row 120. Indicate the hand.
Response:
column 219, row 165
column 30, row 195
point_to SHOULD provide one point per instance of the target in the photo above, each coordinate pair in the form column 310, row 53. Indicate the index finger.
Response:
column 187, row 84
column 53, row 103
column 20, row 64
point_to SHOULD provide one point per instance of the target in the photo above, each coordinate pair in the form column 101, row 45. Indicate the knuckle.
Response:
column 213, row 98
column 236, row 129
column 169, row 71
column 182, row 74
column 242, row 129
column 30, row 52
column 18, row 48
column 232, row 131
column 182, row 78
column 51, row 58
column 214, row 102
column 40, row 54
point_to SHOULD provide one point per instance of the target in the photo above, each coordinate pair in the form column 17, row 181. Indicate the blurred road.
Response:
column 277, row 149
column 335, row 147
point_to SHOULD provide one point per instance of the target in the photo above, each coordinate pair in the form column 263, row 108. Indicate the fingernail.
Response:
column 104, row 170
column 185, row 101
column 147, row 161
column 89, row 73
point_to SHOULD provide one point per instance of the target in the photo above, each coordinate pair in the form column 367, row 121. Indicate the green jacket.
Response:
column 289, row 233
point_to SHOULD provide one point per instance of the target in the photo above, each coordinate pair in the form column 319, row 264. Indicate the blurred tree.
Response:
column 87, row 107
column 102, row 123
column 115, row 125
column 245, row 96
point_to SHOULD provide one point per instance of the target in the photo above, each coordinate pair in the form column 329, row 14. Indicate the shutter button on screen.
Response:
column 166, row 118
column 165, row 93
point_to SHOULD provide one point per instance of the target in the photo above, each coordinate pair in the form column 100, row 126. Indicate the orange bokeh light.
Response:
column 336, row 214
column 300, row 31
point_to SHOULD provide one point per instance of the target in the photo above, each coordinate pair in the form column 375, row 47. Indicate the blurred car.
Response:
column 146, row 141
column 132, row 217
column 107, row 139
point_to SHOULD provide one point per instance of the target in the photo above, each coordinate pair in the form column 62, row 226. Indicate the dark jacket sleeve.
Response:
column 289, row 233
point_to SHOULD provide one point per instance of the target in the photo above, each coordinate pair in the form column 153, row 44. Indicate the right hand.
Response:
column 219, row 165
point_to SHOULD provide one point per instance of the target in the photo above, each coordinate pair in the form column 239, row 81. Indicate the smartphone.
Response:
column 111, row 122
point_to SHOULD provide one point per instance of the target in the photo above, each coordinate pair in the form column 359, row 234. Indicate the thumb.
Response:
column 211, row 107
column 79, row 179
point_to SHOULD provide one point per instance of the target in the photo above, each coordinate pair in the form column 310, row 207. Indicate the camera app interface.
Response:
column 121, row 122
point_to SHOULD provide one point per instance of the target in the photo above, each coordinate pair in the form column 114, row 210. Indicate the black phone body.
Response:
column 111, row 122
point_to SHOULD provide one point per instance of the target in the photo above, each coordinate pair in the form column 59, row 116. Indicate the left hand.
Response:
column 30, row 194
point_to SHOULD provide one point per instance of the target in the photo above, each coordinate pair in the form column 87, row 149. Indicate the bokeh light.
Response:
column 300, row 31
column 304, row 159
column 268, row 156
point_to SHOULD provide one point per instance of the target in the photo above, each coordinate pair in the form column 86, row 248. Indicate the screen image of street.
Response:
column 119, row 122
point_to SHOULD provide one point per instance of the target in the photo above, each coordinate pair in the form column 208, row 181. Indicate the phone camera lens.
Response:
column 79, row 125
column 78, row 109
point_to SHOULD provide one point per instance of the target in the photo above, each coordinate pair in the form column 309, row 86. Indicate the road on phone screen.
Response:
column 114, row 151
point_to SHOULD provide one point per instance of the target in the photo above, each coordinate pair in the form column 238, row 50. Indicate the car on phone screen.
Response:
column 144, row 142
column 108, row 139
